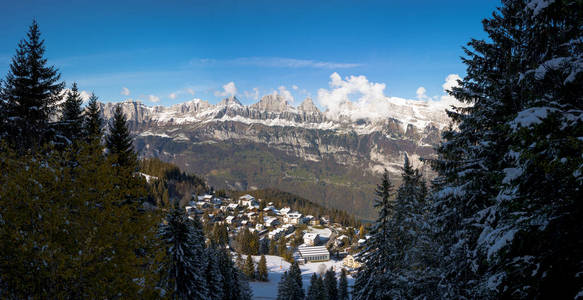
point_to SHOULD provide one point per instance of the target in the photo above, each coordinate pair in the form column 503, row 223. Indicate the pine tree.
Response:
column 227, row 269
column 93, row 124
column 312, row 290
column 321, row 290
column 288, row 288
column 409, row 238
column 505, row 200
column 262, row 274
column 331, row 285
column 239, row 263
column 214, row 278
column 94, row 245
column 272, row 247
column 118, row 140
column 72, row 115
column 296, row 274
column 369, row 283
column 185, row 266
column 30, row 92
column 343, row 286
column 249, row 268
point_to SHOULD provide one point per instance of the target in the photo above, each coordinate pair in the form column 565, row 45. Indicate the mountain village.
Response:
column 322, row 240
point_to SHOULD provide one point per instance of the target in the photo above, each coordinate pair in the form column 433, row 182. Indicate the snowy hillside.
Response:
column 276, row 266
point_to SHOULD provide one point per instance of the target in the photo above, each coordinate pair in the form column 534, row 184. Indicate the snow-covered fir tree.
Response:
column 508, row 192
column 214, row 278
column 376, row 251
column 185, row 260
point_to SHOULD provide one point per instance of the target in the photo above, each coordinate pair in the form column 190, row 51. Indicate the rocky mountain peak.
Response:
column 230, row 101
column 308, row 106
column 271, row 103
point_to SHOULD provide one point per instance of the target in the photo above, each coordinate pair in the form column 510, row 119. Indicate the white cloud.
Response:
column 175, row 94
column 295, row 87
column 125, row 91
column 276, row 62
column 153, row 98
column 252, row 95
column 285, row 94
column 356, row 97
column 229, row 89
column 451, row 81
column 421, row 93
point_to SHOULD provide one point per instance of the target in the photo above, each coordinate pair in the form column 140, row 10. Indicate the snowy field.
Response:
column 276, row 266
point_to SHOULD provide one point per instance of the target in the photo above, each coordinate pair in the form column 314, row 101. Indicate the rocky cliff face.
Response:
column 334, row 160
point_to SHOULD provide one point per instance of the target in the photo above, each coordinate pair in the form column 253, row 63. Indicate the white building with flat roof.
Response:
column 311, row 254
column 311, row 239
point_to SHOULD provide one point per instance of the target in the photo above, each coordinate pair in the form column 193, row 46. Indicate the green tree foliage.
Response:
column 368, row 283
column 343, row 286
column 214, row 277
column 72, row 115
column 508, row 196
column 331, row 285
column 184, row 266
column 29, row 94
column 262, row 274
column 73, row 231
column 93, row 123
column 288, row 289
column 248, row 242
column 296, row 274
column 249, row 268
column 219, row 235
column 118, row 140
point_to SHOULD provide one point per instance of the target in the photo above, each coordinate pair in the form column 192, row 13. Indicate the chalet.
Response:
column 313, row 254
column 276, row 234
column 190, row 209
column 311, row 239
column 270, row 221
column 202, row 204
column 259, row 226
column 350, row 262
column 293, row 218
column 284, row 211
column 248, row 201
column 230, row 219
column 288, row 228
column 340, row 240
column 233, row 206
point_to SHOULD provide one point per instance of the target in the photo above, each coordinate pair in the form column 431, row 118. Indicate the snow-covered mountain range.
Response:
column 323, row 156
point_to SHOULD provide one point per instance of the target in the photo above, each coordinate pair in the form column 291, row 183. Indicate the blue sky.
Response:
column 168, row 52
